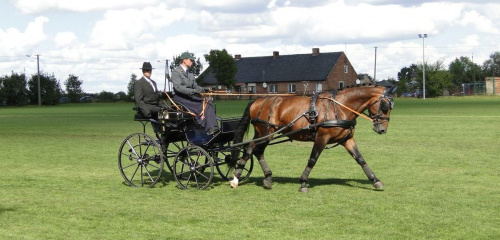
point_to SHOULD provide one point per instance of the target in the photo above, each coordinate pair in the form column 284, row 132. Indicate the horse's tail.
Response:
column 244, row 124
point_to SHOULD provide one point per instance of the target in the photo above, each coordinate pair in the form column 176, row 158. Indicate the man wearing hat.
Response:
column 187, row 92
column 146, row 95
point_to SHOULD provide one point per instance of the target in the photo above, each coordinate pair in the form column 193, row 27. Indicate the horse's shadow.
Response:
column 313, row 182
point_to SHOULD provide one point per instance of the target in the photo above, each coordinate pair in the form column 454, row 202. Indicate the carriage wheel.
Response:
column 225, row 166
column 140, row 160
column 193, row 167
column 171, row 150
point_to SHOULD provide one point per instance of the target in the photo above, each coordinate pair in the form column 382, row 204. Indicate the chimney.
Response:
column 275, row 54
column 315, row 52
column 237, row 56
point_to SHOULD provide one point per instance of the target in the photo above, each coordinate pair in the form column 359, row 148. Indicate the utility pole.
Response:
column 375, row 68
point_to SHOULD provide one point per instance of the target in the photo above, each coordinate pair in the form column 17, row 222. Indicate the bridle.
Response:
column 386, row 104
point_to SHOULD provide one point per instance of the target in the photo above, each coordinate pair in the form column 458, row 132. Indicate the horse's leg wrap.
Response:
column 369, row 173
column 239, row 167
column 268, row 180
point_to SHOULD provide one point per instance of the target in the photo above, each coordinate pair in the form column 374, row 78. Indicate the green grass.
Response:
column 439, row 161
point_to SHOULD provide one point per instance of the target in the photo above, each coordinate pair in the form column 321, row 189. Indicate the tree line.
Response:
column 452, row 79
column 17, row 89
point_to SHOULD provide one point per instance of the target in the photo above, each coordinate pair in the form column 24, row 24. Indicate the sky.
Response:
column 103, row 42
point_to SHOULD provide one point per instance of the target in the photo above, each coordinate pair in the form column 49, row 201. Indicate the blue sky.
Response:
column 104, row 41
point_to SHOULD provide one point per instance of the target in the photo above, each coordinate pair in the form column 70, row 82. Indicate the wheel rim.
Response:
column 140, row 160
column 193, row 168
column 225, row 167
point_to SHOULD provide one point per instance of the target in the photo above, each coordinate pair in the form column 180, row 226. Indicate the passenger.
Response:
column 187, row 92
column 146, row 95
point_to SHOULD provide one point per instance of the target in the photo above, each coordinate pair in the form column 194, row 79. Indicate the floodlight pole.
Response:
column 38, row 72
column 423, row 36
column 375, row 67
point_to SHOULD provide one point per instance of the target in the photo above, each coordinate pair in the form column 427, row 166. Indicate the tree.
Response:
column 105, row 96
column 406, row 76
column 73, row 88
column 223, row 67
column 13, row 90
column 121, row 96
column 491, row 67
column 437, row 78
column 50, row 89
column 196, row 68
column 463, row 70
column 130, row 87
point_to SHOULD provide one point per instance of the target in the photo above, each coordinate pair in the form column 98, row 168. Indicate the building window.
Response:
column 273, row 88
column 341, row 84
column 319, row 87
column 346, row 69
column 251, row 89
column 291, row 88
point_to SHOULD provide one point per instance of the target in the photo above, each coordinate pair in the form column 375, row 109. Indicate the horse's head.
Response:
column 380, row 111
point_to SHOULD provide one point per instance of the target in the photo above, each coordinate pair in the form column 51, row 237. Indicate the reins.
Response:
column 350, row 109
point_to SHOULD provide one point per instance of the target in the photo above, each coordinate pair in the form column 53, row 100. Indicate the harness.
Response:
column 312, row 116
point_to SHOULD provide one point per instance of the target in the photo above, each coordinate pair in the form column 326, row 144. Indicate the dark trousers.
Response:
column 196, row 105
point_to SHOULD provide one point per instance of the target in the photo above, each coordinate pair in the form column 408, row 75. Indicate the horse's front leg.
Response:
column 352, row 148
column 316, row 151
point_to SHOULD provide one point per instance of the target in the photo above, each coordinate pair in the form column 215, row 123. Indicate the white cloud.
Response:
column 65, row 39
column 123, row 29
column 35, row 6
column 14, row 41
column 480, row 22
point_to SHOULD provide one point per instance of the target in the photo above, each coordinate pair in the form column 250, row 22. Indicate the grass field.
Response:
column 439, row 161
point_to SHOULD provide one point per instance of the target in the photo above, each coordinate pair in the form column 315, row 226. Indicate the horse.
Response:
column 325, row 118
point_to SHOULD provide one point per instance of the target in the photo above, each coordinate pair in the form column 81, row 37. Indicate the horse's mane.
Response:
column 358, row 86
column 351, row 89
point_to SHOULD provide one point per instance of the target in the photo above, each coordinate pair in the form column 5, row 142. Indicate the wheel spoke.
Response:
column 132, row 164
column 149, row 174
column 132, row 148
column 135, row 172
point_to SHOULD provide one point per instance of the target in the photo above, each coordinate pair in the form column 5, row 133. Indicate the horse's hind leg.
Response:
column 351, row 146
column 259, row 154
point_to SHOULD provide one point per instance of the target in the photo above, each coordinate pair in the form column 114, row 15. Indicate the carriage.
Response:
column 191, row 154
column 184, row 147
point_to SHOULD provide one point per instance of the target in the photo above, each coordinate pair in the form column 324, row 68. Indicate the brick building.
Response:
column 297, row 73
column 492, row 85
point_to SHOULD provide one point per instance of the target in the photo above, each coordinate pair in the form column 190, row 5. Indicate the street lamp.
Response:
column 38, row 70
column 423, row 36
column 168, row 85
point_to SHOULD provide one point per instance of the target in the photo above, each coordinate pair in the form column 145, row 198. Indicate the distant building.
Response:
column 492, row 85
column 297, row 73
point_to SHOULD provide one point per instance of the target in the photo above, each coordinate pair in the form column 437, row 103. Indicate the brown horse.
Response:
column 326, row 118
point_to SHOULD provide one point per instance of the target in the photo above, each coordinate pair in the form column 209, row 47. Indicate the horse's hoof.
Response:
column 378, row 185
column 267, row 184
column 304, row 189
column 234, row 183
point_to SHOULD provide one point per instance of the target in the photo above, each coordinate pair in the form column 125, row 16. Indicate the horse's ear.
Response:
column 388, row 92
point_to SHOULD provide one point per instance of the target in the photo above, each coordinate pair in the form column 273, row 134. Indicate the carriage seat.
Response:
column 138, row 115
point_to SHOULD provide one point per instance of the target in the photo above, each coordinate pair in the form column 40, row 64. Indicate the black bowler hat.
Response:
column 147, row 66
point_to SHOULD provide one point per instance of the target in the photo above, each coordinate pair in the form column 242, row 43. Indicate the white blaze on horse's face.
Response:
column 380, row 114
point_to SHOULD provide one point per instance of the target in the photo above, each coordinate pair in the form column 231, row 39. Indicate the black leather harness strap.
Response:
column 313, row 113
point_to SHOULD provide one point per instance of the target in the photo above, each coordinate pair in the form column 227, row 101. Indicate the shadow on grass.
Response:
column 312, row 182
column 6, row 209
